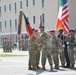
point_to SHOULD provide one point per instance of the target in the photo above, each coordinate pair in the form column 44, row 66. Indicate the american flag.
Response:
column 62, row 21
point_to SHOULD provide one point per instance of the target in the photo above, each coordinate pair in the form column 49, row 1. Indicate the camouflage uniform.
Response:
column 71, row 41
column 4, row 45
column 38, row 52
column 19, row 41
column 26, row 44
column 23, row 44
column 46, row 52
column 32, row 53
column 55, row 50
column 62, row 56
column 7, row 45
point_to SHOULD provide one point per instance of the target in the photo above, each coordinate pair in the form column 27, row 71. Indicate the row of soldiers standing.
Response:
column 23, row 43
column 51, row 47
column 7, row 45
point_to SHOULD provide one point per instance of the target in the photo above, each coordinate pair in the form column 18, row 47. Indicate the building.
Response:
column 9, row 13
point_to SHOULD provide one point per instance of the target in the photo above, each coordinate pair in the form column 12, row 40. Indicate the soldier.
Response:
column 66, row 52
column 55, row 48
column 26, row 42
column 23, row 43
column 37, row 48
column 46, row 52
column 10, row 46
column 32, row 53
column 62, row 57
column 3, row 44
column 7, row 45
column 19, row 41
column 71, row 41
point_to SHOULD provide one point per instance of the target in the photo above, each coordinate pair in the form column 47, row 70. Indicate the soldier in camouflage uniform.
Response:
column 26, row 42
column 10, row 46
column 46, row 50
column 62, row 56
column 37, row 48
column 23, row 43
column 19, row 41
column 3, row 44
column 71, row 41
column 55, row 48
column 32, row 53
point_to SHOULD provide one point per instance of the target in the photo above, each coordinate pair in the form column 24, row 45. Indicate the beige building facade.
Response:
column 9, row 13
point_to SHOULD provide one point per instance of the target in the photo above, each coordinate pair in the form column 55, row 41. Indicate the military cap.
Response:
column 41, row 26
column 36, row 30
column 52, row 30
column 72, row 30
column 33, row 29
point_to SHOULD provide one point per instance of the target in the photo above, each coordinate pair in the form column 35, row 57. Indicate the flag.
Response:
column 63, row 15
column 28, row 27
column 20, row 23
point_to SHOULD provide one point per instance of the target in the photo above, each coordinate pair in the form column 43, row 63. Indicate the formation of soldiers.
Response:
column 7, row 45
column 23, row 43
column 47, row 45
column 51, row 46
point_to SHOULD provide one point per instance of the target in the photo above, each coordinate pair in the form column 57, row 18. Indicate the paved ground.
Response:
column 19, row 66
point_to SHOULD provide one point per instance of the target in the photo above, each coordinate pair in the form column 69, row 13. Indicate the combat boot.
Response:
column 51, row 67
column 38, row 67
column 43, row 67
column 63, row 65
column 56, row 67
column 30, row 68
column 72, row 65
column 34, row 68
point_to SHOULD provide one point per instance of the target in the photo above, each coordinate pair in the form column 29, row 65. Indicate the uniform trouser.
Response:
column 62, row 57
column 66, row 55
column 55, row 58
column 38, row 57
column 32, row 59
column 46, row 53
column 71, row 55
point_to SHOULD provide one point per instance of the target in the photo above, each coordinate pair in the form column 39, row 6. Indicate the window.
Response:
column 10, row 23
column 0, row 26
column 15, row 7
column 42, row 3
column 33, row 19
column 9, row 7
column 20, row 4
column 15, row 24
column 26, row 3
column 43, row 19
column 0, row 39
column 16, row 40
column 5, row 24
column 0, row 11
column 4, row 8
column 33, row 2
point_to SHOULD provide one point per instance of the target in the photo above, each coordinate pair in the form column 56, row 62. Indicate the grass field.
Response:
column 10, row 55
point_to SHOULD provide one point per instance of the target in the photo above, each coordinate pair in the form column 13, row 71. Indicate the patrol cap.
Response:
column 60, row 30
column 52, row 30
column 33, row 29
column 36, row 30
column 41, row 26
column 71, row 30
